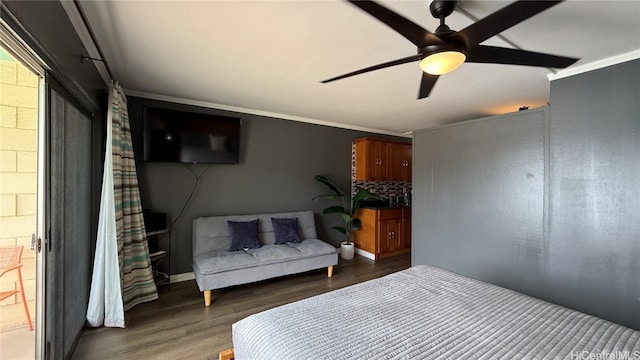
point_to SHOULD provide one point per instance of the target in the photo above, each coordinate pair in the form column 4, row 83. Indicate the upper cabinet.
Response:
column 372, row 159
column 401, row 162
column 381, row 160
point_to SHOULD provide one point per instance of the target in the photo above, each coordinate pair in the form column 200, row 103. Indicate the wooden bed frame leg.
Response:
column 226, row 355
column 330, row 271
column 207, row 297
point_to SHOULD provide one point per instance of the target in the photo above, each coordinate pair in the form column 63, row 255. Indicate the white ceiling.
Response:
column 268, row 57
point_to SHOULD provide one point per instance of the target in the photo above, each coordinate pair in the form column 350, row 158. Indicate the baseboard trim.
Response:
column 366, row 254
column 182, row 277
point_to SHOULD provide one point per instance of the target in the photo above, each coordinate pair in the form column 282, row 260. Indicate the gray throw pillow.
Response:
column 286, row 230
column 244, row 235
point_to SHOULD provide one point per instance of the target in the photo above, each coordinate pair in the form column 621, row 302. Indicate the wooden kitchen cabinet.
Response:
column 381, row 160
column 389, row 230
column 385, row 232
column 401, row 162
column 372, row 160
column 390, row 235
column 405, row 164
column 406, row 227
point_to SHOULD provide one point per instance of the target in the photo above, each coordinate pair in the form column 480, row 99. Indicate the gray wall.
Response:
column 478, row 199
column 546, row 202
column 594, row 193
column 277, row 163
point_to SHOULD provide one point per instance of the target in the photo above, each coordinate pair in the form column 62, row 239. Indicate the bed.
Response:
column 426, row 312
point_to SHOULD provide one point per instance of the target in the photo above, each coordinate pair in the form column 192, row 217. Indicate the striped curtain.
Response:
column 133, row 252
column 122, row 275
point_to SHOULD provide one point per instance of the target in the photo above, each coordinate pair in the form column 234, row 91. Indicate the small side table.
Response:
column 157, row 254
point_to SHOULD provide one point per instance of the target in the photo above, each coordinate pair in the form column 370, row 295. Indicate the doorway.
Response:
column 20, row 115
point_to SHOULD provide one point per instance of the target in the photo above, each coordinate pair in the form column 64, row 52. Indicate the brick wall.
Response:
column 18, row 165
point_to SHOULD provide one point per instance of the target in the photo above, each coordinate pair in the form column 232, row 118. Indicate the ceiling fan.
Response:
column 444, row 50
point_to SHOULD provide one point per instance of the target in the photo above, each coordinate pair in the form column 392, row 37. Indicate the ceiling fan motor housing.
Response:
column 452, row 42
column 442, row 8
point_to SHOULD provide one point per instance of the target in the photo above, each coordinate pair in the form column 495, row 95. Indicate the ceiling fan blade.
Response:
column 375, row 67
column 499, row 55
column 503, row 19
column 415, row 33
column 426, row 84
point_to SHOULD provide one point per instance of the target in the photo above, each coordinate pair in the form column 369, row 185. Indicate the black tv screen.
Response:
column 190, row 137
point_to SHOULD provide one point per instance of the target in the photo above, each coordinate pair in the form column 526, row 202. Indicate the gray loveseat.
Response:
column 215, row 267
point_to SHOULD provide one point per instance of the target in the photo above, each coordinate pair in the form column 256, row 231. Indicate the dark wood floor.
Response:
column 179, row 326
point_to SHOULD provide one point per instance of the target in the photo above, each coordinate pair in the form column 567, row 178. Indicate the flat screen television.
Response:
column 190, row 137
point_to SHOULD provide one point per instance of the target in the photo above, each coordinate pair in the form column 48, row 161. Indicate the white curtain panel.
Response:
column 122, row 274
column 105, row 299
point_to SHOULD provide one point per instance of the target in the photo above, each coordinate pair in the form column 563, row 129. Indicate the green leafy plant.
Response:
column 348, row 208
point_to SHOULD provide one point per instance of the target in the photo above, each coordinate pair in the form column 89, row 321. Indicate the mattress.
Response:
column 429, row 313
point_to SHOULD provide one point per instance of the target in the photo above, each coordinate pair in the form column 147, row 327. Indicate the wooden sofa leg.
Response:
column 226, row 355
column 207, row 297
column 330, row 271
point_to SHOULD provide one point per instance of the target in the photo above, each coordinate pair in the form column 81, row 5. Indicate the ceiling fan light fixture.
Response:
column 443, row 62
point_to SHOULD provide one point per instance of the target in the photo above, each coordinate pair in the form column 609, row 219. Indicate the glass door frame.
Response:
column 12, row 43
column 40, row 235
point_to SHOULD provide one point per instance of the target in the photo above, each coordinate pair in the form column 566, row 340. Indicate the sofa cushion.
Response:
column 269, row 254
column 244, row 235
column 313, row 247
column 220, row 261
column 286, row 230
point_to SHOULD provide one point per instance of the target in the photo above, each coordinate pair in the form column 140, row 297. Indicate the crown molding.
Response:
column 211, row 105
column 617, row 59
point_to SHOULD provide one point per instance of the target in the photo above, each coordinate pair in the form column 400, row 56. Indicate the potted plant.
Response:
column 347, row 210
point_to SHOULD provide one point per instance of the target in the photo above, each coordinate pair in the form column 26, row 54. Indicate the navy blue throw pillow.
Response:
column 286, row 230
column 244, row 235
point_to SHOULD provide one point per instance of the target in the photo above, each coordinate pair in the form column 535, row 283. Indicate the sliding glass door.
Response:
column 47, row 170
column 22, row 189
column 69, row 245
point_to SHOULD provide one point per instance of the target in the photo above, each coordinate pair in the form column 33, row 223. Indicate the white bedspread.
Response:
column 429, row 313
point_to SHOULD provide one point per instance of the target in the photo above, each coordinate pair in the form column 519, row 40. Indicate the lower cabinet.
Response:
column 385, row 232
column 406, row 227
